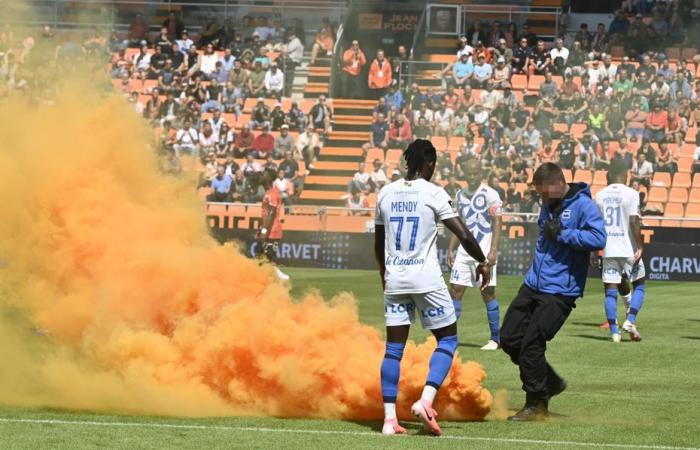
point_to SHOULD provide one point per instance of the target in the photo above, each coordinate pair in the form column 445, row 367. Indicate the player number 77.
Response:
column 399, row 220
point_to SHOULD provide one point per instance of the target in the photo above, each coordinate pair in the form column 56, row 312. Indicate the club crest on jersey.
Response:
column 566, row 214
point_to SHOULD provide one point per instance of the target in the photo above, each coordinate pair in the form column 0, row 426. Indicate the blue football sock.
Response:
column 458, row 307
column 391, row 369
column 611, row 309
column 494, row 315
column 441, row 361
column 637, row 302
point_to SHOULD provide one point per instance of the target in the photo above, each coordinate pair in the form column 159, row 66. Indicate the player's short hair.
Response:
column 618, row 169
column 548, row 173
column 418, row 153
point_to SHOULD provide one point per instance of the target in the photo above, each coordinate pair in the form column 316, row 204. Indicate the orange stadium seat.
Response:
column 692, row 210
column 689, row 53
column 687, row 150
column 674, row 209
column 301, row 223
column 533, row 83
column 600, row 178
column 568, row 175
column 678, row 194
column 658, row 194
column 673, row 53
column 682, row 180
column 661, row 179
column 696, row 180
column 656, row 205
column 694, row 196
column 584, row 176
column 685, row 165
column 691, row 134
column 595, row 189
column 519, row 82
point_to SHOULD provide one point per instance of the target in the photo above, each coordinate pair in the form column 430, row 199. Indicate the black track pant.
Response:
column 532, row 319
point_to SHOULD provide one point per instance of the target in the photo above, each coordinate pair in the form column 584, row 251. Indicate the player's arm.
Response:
column 496, row 220
column 471, row 245
column 451, row 250
column 379, row 250
column 636, row 229
column 267, row 222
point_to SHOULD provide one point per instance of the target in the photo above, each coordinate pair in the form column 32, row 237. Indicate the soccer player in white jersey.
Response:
column 408, row 212
column 480, row 207
column 619, row 205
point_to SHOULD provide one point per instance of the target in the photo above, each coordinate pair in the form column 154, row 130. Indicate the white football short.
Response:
column 435, row 309
column 613, row 268
column 464, row 272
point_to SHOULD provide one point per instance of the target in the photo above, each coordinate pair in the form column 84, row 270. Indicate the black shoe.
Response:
column 557, row 388
column 530, row 413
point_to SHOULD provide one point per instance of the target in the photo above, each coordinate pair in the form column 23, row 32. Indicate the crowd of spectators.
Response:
column 589, row 108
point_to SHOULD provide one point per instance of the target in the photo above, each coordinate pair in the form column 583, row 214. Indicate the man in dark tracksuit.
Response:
column 570, row 228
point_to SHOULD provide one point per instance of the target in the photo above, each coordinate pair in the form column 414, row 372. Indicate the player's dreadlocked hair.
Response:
column 417, row 154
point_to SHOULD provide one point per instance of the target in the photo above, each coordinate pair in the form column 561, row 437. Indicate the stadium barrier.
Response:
column 670, row 253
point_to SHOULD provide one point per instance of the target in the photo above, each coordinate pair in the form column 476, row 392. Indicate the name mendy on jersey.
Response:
column 404, row 206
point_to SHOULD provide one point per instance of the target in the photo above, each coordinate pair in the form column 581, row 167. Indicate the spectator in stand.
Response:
column 264, row 144
column 460, row 125
column 220, row 186
column 442, row 122
column 495, row 35
column 354, row 61
column 642, row 170
column 274, row 82
column 566, row 153
column 207, row 139
column 394, row 99
column 656, row 124
column 495, row 184
column 475, row 34
column 243, row 142
column 187, row 139
column 529, row 35
column 399, row 66
column 539, row 60
column 586, row 158
column 400, row 134
column 207, row 61
column 378, row 136
column 295, row 49
column 323, row 44
column 291, row 171
column 660, row 92
column 284, row 142
column 138, row 32
column 546, row 154
column 559, row 55
column 503, row 50
column 378, row 177
column 210, row 33
column 174, row 26
column 277, row 117
column 676, row 126
column 152, row 108
column 227, row 61
column 462, row 71
column 296, row 118
column 599, row 42
column 360, row 180
column 224, row 144
column 665, row 159
column 379, row 75
column 250, row 167
column 238, row 77
column 625, row 153
column 284, row 186
column 501, row 73
column 256, row 81
column 214, row 95
column 309, row 146
column 696, row 156
column 548, row 87
column 357, row 203
column 260, row 115
column 482, row 73
column 521, row 56
column 185, row 42
column 422, row 130
column 240, row 188
column 636, row 120
column 321, row 114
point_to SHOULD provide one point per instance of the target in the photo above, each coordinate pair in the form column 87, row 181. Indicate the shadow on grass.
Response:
column 694, row 338
column 467, row 344
column 693, row 320
column 587, row 324
column 590, row 336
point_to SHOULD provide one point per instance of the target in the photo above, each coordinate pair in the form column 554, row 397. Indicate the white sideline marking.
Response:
column 333, row 432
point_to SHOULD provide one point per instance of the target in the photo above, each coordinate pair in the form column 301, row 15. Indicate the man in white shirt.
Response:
column 559, row 51
column 609, row 68
column 295, row 49
column 490, row 98
column 696, row 160
column 207, row 60
column 378, row 177
column 642, row 170
column 274, row 82
column 407, row 216
column 185, row 43
column 622, row 257
column 443, row 121
column 187, row 139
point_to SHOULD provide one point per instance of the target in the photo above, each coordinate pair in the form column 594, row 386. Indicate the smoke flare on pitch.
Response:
column 144, row 312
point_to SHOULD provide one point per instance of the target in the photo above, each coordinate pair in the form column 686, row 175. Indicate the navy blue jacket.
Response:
column 561, row 267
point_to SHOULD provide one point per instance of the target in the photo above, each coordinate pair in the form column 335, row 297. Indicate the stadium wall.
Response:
column 670, row 253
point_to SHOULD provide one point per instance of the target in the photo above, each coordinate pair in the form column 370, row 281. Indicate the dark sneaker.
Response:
column 530, row 413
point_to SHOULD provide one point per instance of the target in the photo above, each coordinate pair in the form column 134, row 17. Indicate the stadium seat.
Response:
column 691, row 135
column 674, row 209
column 519, row 82
column 617, row 51
column 393, row 156
column 658, row 194
column 692, row 210
column 682, row 180
column 600, row 178
column 577, row 129
column 687, row 150
column 656, row 205
column 584, row 176
column 689, row 53
column 694, row 196
column 678, row 194
column 696, row 180
column 561, row 127
column 534, row 82
column 568, row 176
column 301, row 223
column 521, row 188
column 685, row 165
column 595, row 189
column 661, row 179
column 673, row 53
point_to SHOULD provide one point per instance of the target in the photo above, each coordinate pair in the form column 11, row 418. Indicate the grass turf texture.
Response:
column 629, row 395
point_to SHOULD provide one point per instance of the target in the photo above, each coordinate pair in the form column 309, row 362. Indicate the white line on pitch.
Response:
column 331, row 432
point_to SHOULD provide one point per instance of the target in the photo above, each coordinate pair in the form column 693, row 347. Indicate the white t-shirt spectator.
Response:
column 378, row 176
column 468, row 49
column 696, row 157
column 282, row 184
column 295, row 50
column 428, row 114
column 186, row 136
column 645, row 170
column 490, row 99
column 444, row 118
column 209, row 141
column 595, row 76
column 274, row 81
column 481, row 117
column 556, row 53
column 208, row 63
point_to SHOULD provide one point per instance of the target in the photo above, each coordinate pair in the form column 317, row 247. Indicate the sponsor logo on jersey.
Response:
column 399, row 261
column 566, row 214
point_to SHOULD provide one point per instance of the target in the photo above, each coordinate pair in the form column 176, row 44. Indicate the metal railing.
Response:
column 118, row 14
column 511, row 13
column 336, row 61
column 411, row 70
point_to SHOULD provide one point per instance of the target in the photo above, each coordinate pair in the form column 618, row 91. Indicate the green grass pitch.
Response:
column 631, row 395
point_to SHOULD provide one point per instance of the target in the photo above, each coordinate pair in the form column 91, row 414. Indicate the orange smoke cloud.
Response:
column 144, row 312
